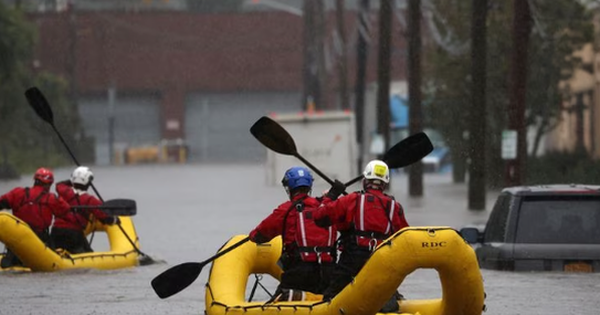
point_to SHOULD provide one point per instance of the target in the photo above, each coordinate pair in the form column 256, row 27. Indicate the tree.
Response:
column 415, row 177
column 566, row 27
column 26, row 143
column 446, row 76
column 477, row 143
column 557, row 32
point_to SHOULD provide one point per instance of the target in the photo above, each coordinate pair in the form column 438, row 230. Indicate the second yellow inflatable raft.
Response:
column 21, row 240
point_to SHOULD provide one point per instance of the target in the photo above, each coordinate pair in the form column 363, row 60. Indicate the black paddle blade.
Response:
column 120, row 207
column 124, row 207
column 404, row 153
column 40, row 105
column 273, row 136
column 175, row 279
column 408, row 151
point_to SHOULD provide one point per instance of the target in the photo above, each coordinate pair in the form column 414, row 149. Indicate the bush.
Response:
column 563, row 168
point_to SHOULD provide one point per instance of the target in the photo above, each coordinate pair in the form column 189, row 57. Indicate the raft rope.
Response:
column 261, row 306
column 258, row 277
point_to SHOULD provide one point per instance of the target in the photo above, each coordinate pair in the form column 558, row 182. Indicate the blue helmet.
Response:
column 297, row 177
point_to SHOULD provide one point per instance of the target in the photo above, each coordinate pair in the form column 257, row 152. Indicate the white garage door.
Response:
column 217, row 126
column 137, row 123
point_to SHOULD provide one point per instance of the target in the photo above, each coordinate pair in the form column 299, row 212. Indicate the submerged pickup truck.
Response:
column 541, row 228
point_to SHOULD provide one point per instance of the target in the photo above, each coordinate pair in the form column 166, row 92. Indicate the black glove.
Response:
column 336, row 190
column 258, row 238
column 111, row 220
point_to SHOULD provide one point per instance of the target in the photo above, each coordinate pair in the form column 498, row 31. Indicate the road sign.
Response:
column 509, row 144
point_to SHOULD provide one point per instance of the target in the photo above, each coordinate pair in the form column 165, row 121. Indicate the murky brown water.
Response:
column 186, row 212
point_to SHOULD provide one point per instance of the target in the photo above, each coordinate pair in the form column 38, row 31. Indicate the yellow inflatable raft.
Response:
column 440, row 248
column 21, row 240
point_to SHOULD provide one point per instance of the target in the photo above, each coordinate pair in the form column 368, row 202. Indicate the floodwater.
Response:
column 186, row 212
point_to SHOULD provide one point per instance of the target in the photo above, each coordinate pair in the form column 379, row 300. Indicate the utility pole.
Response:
column 477, row 147
column 314, row 55
column 342, row 55
column 579, row 108
column 518, row 88
column 383, row 71
column 362, row 49
column 415, row 121
column 319, row 18
column 112, row 95
column 311, row 93
column 72, row 57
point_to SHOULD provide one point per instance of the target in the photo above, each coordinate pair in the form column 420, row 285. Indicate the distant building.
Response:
column 204, row 78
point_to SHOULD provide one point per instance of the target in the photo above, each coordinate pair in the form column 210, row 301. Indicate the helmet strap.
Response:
column 374, row 184
column 38, row 182
column 81, row 187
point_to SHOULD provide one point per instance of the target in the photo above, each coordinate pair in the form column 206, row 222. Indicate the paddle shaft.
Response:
column 354, row 180
column 225, row 251
column 72, row 156
column 314, row 168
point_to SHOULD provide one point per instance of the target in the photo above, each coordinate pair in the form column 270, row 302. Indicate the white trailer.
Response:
column 327, row 140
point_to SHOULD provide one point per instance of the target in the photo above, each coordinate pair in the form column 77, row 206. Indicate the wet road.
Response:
column 186, row 212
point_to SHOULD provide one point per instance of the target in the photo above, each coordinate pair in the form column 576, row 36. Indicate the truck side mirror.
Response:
column 470, row 234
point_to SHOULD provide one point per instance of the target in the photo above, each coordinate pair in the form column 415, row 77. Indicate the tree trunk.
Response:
column 415, row 121
column 361, row 68
column 342, row 55
column 477, row 147
column 516, row 111
column 383, row 71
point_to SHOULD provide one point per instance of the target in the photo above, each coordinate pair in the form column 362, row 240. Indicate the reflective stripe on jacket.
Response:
column 371, row 216
column 293, row 221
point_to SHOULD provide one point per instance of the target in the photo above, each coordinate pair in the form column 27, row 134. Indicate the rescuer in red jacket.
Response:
column 69, row 231
column 364, row 219
column 308, row 250
column 36, row 206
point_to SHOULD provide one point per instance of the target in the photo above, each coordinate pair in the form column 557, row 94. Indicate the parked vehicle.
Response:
column 541, row 228
column 438, row 160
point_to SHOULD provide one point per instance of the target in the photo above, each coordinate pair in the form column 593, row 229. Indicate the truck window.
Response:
column 496, row 227
column 566, row 219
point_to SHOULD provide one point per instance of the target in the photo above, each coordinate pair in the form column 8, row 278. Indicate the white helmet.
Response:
column 377, row 169
column 82, row 175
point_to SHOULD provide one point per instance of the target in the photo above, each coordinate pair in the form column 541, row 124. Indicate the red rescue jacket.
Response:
column 77, row 219
column 35, row 206
column 301, row 236
column 369, row 216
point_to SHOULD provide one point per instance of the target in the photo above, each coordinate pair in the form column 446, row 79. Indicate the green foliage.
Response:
column 16, row 41
column 27, row 142
column 560, row 28
column 563, row 168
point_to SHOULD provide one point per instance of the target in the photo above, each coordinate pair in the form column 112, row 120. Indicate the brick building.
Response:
column 204, row 78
